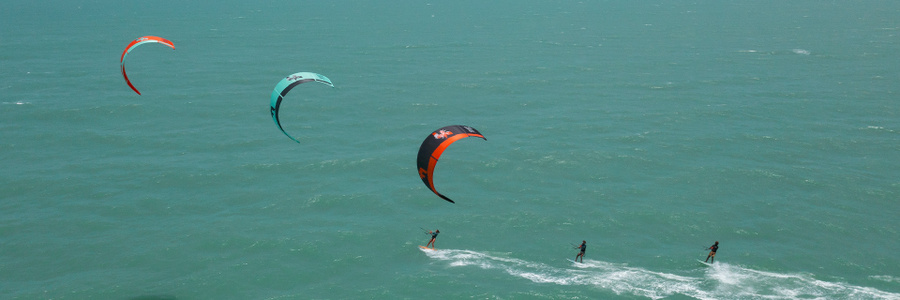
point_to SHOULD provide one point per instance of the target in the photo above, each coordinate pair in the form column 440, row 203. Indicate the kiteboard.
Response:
column 569, row 259
column 426, row 248
column 703, row 262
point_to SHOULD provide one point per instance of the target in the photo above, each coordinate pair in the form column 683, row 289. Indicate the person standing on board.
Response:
column 712, row 252
column 581, row 254
column 434, row 235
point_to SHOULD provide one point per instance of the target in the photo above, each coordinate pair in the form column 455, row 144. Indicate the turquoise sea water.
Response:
column 650, row 129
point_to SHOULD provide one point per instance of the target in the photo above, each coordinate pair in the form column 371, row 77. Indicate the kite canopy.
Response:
column 140, row 41
column 434, row 145
column 285, row 85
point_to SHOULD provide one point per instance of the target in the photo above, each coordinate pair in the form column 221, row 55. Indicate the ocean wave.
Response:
column 718, row 281
column 885, row 278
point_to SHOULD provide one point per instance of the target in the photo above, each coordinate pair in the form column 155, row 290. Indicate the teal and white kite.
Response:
column 285, row 85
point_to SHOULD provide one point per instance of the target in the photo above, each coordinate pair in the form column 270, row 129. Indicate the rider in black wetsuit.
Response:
column 581, row 254
column 712, row 253
column 434, row 235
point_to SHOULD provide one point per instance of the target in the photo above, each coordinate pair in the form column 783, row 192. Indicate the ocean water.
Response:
column 649, row 129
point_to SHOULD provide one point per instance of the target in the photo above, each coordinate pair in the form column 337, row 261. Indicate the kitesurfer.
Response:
column 434, row 235
column 581, row 254
column 712, row 252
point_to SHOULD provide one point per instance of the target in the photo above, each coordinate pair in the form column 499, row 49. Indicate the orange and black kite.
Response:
column 434, row 146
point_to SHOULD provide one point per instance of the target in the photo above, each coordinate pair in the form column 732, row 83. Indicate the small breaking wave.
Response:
column 885, row 278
